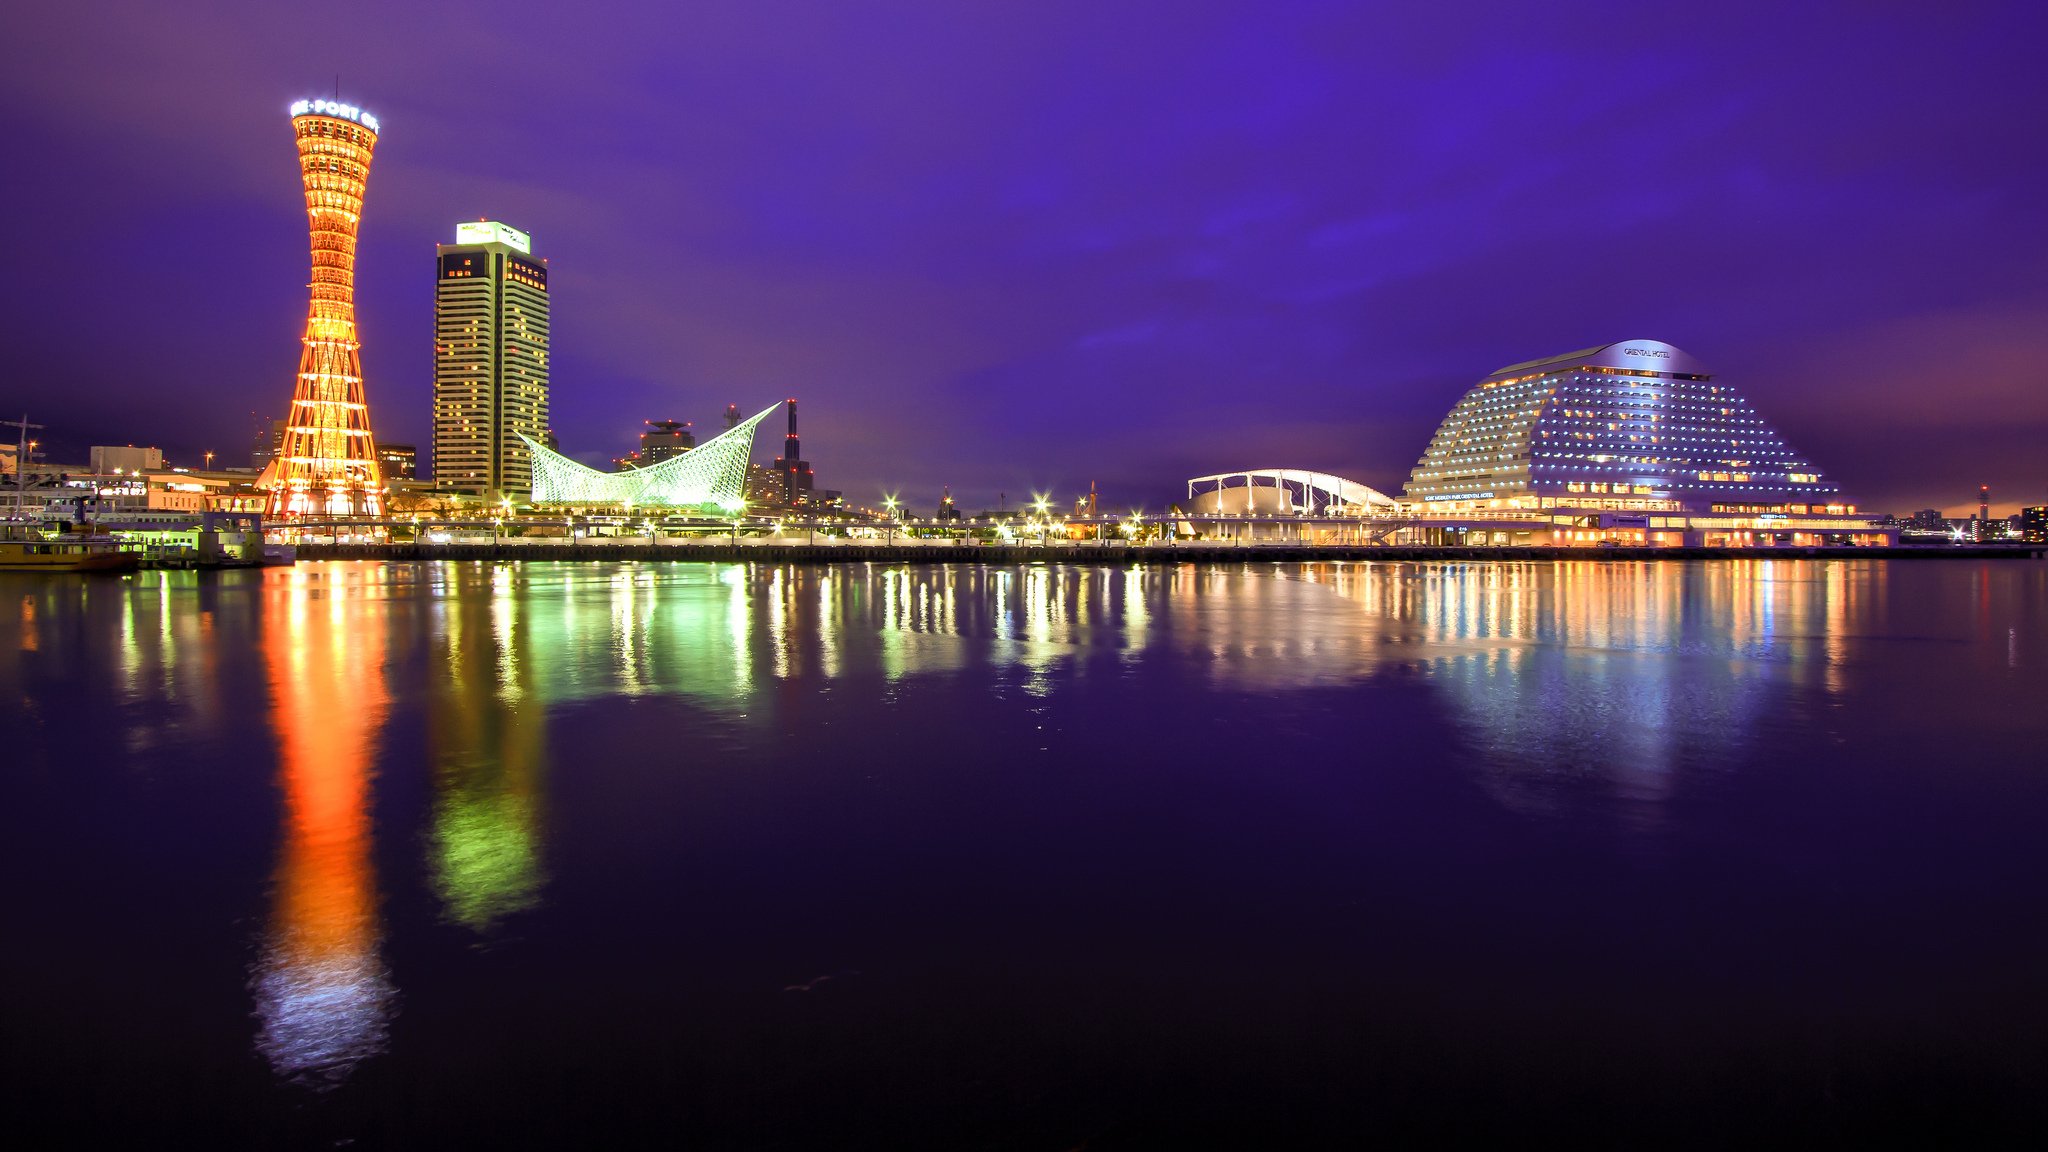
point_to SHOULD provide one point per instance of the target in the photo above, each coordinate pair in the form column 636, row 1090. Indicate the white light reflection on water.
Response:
column 828, row 625
column 779, row 639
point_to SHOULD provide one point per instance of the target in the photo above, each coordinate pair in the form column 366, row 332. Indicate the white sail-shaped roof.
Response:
column 711, row 475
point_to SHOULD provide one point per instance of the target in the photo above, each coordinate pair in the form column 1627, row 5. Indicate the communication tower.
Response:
column 326, row 465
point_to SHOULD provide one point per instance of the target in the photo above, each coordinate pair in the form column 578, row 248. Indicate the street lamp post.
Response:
column 99, row 494
column 21, row 479
column 889, row 502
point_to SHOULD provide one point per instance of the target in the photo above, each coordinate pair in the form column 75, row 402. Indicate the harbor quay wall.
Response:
column 1090, row 553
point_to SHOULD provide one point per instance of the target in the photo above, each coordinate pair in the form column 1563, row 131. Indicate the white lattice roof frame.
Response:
column 712, row 473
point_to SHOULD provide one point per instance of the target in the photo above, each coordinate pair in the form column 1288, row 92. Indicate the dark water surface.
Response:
column 955, row 857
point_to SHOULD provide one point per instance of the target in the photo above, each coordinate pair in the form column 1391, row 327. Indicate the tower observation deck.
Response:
column 327, row 464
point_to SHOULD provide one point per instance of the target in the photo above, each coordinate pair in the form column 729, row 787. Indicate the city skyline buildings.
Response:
column 326, row 463
column 1139, row 273
column 490, row 361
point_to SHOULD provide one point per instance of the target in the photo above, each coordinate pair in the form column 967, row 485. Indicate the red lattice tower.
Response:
column 327, row 465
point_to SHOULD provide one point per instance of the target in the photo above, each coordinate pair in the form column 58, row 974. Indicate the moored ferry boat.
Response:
column 23, row 549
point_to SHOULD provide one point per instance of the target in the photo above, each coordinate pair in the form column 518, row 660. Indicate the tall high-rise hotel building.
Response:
column 490, row 361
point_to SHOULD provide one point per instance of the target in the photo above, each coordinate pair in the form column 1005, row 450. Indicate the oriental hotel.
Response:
column 1632, row 443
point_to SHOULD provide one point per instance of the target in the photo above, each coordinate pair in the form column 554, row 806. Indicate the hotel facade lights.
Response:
column 1629, row 443
column 490, row 361
column 710, row 477
column 326, row 465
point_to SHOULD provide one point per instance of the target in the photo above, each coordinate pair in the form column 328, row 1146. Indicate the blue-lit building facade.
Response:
column 1632, row 443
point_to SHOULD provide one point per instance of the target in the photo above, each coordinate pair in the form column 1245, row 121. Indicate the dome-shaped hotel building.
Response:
column 1626, row 443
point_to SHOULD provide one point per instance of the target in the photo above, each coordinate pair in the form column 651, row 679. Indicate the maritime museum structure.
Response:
column 710, row 477
column 1626, row 443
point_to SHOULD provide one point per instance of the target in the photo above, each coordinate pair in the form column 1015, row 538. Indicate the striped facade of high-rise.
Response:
column 490, row 362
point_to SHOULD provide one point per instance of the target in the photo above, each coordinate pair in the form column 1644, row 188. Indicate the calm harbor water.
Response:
column 1035, row 857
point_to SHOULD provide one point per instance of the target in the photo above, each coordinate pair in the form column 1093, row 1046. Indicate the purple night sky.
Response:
column 1016, row 247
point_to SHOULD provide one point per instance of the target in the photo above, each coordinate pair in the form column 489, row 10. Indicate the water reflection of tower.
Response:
column 795, row 472
column 487, row 737
column 322, row 992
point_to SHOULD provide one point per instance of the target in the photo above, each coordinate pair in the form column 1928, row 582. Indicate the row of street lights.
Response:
column 1040, row 506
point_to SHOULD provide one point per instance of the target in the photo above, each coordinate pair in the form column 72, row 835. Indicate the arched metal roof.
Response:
column 1336, row 489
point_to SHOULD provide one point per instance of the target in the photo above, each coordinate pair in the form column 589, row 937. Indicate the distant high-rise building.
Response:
column 795, row 472
column 2034, row 524
column 1983, row 525
column 268, row 443
column 764, row 486
column 1929, row 520
column 398, row 461
column 665, row 440
column 490, row 361
column 328, row 463
column 106, row 458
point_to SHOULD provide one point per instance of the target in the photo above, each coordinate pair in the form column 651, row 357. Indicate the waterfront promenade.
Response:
column 1093, row 552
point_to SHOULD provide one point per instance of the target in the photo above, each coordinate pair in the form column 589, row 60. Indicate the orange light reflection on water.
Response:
column 322, row 992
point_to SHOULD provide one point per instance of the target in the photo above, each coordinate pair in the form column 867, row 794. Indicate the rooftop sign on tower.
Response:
column 492, row 232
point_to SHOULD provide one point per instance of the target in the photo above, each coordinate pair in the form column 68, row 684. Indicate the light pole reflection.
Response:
column 323, row 995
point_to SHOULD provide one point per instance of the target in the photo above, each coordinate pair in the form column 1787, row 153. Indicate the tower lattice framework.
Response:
column 327, row 465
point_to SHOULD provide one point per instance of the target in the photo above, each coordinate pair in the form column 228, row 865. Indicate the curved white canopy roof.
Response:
column 1336, row 489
